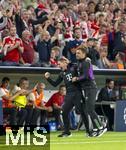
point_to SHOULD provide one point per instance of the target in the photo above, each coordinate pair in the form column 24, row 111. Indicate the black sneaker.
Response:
column 91, row 134
column 65, row 134
column 101, row 132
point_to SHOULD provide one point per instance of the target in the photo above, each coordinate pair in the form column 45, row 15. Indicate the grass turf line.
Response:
column 109, row 141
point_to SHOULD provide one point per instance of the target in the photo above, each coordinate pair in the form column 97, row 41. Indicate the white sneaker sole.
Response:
column 67, row 136
column 105, row 130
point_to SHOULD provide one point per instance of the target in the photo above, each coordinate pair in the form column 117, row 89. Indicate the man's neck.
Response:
column 82, row 58
column 26, row 21
column 39, row 91
column 4, row 87
column 65, row 68
column 77, row 39
column 12, row 37
column 25, row 40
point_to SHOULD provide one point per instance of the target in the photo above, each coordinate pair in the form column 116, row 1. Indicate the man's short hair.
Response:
column 91, row 2
column 90, row 39
column 62, row 86
column 62, row 6
column 12, row 26
column 76, row 28
column 57, row 48
column 23, row 79
column 108, row 81
column 5, row 80
column 83, row 49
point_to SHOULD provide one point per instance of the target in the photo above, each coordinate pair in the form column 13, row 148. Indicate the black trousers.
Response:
column 56, row 113
column 74, row 99
column 21, row 115
column 12, row 112
column 29, row 115
column 39, row 113
column 89, row 95
column 108, row 113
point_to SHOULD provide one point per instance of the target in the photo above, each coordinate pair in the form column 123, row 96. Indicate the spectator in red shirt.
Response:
column 12, row 48
column 29, row 51
column 53, row 61
column 56, row 101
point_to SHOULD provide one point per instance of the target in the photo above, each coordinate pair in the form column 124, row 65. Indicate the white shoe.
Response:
column 101, row 132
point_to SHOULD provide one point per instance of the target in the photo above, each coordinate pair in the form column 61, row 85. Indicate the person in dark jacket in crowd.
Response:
column 24, row 22
column 44, row 47
column 119, row 38
column 93, row 53
column 69, row 50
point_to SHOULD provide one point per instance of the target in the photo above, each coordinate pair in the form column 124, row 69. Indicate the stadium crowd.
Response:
column 39, row 32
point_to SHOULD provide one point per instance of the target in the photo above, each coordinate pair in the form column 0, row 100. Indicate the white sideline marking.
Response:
column 87, row 139
column 76, row 143
column 84, row 136
column 93, row 142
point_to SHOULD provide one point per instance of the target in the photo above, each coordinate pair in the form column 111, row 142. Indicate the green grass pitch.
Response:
column 78, row 141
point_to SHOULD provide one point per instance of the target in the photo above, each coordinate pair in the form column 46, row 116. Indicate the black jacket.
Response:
column 85, row 74
column 44, row 50
column 105, row 96
column 20, row 26
column 119, row 45
column 66, row 76
column 93, row 55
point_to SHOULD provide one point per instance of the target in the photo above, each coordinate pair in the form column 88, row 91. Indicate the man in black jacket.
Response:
column 73, row 95
column 107, row 93
column 93, row 53
column 85, row 78
column 44, row 46
column 69, row 50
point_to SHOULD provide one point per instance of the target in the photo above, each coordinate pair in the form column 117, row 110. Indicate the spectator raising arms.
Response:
column 44, row 46
column 29, row 51
column 68, row 25
column 12, row 48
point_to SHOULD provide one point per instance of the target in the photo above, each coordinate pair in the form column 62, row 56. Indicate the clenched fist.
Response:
column 47, row 75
